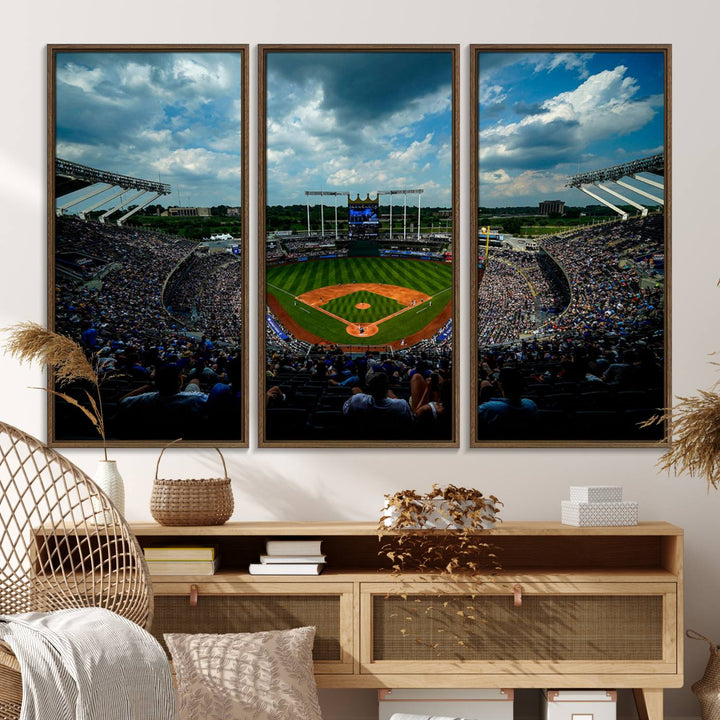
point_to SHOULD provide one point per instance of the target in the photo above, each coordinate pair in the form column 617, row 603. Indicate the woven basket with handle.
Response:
column 202, row 501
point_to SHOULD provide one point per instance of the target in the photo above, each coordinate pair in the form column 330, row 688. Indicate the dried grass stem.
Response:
column 32, row 343
column 695, row 448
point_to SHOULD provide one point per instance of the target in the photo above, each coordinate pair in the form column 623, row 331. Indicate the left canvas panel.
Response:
column 147, row 238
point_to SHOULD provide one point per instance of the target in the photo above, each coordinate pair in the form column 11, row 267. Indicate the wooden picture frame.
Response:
column 580, row 318
column 158, row 300
column 367, row 122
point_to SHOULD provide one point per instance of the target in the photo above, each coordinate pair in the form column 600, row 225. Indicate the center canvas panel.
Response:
column 357, row 237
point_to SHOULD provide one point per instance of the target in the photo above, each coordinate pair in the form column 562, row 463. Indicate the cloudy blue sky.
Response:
column 359, row 122
column 545, row 116
column 175, row 117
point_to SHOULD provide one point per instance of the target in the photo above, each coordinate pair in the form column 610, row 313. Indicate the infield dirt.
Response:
column 403, row 295
column 342, row 290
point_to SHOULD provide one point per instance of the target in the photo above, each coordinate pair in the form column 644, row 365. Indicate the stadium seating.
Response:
column 595, row 369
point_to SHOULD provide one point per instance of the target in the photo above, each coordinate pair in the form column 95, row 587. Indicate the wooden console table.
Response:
column 572, row 607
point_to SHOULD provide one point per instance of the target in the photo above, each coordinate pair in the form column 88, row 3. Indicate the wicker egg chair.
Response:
column 62, row 545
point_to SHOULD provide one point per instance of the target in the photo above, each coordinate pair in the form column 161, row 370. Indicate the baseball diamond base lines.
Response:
column 405, row 297
column 388, row 302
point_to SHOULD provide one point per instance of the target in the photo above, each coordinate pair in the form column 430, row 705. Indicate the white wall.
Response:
column 349, row 485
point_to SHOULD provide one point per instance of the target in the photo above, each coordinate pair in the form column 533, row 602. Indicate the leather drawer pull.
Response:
column 517, row 593
column 193, row 595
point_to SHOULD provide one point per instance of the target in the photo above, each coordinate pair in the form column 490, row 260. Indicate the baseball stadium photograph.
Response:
column 357, row 236
column 571, row 174
column 147, row 223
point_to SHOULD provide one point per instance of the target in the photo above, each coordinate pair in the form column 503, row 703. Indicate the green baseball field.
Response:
column 361, row 301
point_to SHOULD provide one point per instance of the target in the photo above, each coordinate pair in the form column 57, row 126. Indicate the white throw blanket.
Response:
column 89, row 664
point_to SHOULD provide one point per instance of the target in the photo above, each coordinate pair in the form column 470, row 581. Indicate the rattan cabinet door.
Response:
column 228, row 607
column 561, row 628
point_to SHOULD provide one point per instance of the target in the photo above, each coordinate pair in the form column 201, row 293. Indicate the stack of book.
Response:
column 177, row 560
column 290, row 557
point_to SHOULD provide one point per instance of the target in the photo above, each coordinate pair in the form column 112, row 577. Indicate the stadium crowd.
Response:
column 517, row 290
column 160, row 380
column 505, row 304
column 207, row 294
column 293, row 248
column 596, row 369
column 328, row 394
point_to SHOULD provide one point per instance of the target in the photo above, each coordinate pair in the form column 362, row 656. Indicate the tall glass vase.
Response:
column 108, row 479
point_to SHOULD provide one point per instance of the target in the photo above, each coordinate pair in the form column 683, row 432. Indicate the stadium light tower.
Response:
column 94, row 190
column 655, row 165
column 123, row 203
column 404, row 193
column 71, row 177
column 322, row 193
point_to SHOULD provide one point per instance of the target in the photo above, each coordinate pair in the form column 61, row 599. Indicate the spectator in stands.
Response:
column 622, row 373
column 510, row 412
column 431, row 400
column 166, row 413
column 378, row 413
column 201, row 372
column 275, row 398
column 224, row 404
column 89, row 338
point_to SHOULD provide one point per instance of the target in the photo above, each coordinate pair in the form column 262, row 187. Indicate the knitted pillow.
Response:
column 245, row 676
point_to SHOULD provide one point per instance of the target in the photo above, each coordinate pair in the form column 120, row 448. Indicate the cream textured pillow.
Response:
column 246, row 676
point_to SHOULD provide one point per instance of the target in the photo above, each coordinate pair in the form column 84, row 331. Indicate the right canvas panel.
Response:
column 570, row 239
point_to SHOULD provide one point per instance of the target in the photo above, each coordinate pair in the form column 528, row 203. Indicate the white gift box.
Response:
column 579, row 705
column 596, row 514
column 596, row 493
column 475, row 704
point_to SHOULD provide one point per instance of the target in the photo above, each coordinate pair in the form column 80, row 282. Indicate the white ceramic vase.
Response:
column 108, row 479
column 440, row 517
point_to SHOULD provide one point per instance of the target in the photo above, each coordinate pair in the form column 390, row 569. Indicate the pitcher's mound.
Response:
column 361, row 330
column 362, row 306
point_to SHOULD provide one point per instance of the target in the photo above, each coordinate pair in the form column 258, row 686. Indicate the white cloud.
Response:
column 191, row 161
column 135, row 75
column 233, row 172
column 81, row 77
column 604, row 105
column 207, row 75
column 277, row 156
column 307, row 148
column 76, row 152
column 344, row 176
column 500, row 184
column 413, row 113
column 568, row 61
column 156, row 136
column 495, row 177
column 415, row 151
column 491, row 94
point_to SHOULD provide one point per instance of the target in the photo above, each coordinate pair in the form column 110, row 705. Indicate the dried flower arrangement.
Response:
column 695, row 447
column 439, row 532
column 442, row 533
column 30, row 342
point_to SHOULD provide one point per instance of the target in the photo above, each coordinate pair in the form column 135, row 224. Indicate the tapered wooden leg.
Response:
column 649, row 703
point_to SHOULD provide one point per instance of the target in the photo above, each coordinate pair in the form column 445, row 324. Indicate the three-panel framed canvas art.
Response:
column 362, row 251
